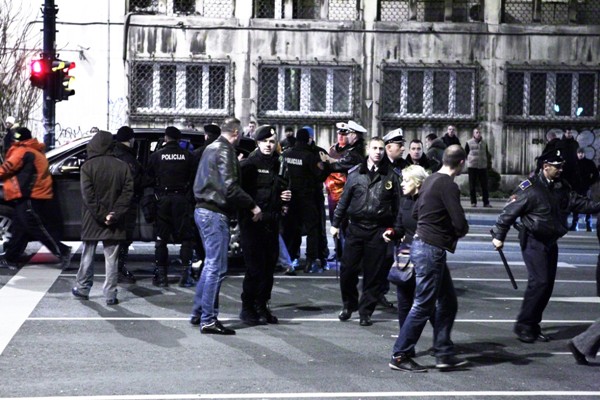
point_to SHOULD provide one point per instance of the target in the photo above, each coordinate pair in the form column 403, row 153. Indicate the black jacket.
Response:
column 170, row 169
column 127, row 154
column 588, row 172
column 369, row 203
column 261, row 180
column 543, row 209
column 305, row 174
column 217, row 185
column 352, row 155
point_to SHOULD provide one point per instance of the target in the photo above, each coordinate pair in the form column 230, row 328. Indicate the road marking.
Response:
column 235, row 319
column 20, row 296
column 593, row 299
column 327, row 395
column 23, row 292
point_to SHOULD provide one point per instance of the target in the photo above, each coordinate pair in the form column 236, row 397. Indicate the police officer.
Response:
column 260, row 240
column 171, row 171
column 124, row 151
column 306, row 172
column 394, row 149
column 543, row 203
column 370, row 201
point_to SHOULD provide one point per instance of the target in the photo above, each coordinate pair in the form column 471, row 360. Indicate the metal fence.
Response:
column 553, row 96
column 307, row 92
column 556, row 12
column 205, row 8
column 425, row 94
column 180, row 89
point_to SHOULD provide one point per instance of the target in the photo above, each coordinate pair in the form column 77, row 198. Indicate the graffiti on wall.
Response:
column 63, row 135
column 117, row 110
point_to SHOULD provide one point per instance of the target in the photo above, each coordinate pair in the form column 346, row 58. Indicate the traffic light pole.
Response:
column 49, row 53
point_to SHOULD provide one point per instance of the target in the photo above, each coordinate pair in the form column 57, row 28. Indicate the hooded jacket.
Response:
column 106, row 186
column 25, row 172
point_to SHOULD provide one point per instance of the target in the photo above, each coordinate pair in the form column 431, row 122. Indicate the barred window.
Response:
column 205, row 8
column 302, row 91
column 428, row 10
column 552, row 96
column 551, row 12
column 411, row 93
column 166, row 88
column 337, row 10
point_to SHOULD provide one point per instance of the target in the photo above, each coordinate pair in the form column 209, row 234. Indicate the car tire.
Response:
column 6, row 218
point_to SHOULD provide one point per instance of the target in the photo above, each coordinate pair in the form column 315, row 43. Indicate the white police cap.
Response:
column 355, row 127
column 395, row 136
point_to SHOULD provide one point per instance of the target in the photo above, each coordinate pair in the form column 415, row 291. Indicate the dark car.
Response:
column 65, row 163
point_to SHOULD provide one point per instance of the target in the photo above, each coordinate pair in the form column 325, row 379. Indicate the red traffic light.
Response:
column 39, row 73
column 37, row 66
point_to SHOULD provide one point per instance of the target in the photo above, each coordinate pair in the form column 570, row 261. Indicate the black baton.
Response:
column 508, row 271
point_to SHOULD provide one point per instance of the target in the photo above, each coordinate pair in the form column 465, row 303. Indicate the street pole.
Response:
column 49, row 54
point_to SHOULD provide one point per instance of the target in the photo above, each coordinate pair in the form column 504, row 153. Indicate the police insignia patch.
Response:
column 388, row 185
column 525, row 184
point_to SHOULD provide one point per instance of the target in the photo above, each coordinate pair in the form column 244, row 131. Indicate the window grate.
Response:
column 313, row 92
column 417, row 93
column 541, row 95
column 407, row 10
column 179, row 89
column 551, row 12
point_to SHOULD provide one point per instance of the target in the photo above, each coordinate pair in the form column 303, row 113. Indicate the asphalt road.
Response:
column 53, row 346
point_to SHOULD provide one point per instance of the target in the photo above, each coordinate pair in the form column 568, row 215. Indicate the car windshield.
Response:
column 66, row 147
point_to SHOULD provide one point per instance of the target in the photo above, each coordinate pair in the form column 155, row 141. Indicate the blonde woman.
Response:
column 412, row 178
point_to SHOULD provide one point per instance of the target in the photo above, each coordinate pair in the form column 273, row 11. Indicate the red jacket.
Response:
column 25, row 172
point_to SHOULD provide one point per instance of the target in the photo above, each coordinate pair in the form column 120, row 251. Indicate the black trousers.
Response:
column 174, row 225
column 364, row 251
column 37, row 220
column 478, row 176
column 541, row 260
column 260, row 244
column 303, row 217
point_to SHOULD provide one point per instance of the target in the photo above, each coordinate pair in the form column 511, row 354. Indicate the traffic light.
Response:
column 61, row 80
column 39, row 73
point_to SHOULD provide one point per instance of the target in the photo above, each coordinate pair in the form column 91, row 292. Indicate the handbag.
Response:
column 402, row 269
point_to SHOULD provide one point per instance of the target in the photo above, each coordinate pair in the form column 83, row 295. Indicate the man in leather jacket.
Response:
column 370, row 201
column 543, row 204
column 218, row 197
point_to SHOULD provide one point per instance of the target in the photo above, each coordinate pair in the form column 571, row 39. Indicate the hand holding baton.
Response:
column 505, row 262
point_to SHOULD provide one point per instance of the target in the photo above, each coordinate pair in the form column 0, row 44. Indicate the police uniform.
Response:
column 370, row 202
column 303, row 216
column 542, row 206
column 260, row 240
column 396, row 136
column 171, row 171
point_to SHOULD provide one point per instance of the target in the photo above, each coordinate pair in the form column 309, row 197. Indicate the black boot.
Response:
column 125, row 276
column 588, row 226
column 160, row 276
column 187, row 279
column 249, row 316
column 265, row 314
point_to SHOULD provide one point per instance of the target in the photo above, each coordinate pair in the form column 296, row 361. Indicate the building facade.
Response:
column 516, row 68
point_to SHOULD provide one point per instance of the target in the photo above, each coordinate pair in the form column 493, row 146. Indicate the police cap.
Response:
column 342, row 128
column 395, row 136
column 264, row 132
column 552, row 157
column 355, row 127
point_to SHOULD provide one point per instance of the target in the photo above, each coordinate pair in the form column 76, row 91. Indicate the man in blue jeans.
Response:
column 218, row 196
column 440, row 223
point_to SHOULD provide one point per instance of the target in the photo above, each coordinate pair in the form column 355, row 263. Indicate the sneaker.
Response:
column 112, row 302
column 449, row 362
column 216, row 328
column 406, row 364
column 79, row 295
column 290, row 271
column 65, row 258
